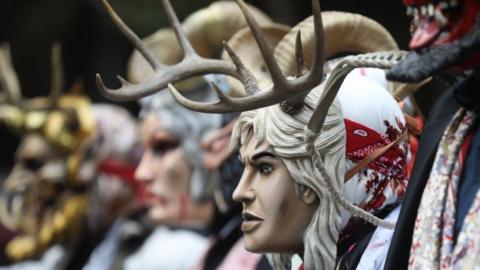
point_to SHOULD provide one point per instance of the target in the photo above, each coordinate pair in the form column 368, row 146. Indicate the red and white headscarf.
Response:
column 373, row 119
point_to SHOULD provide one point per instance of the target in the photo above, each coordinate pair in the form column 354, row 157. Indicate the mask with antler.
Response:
column 42, row 198
column 178, row 186
column 304, row 136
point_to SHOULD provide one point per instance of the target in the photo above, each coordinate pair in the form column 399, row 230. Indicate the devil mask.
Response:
column 445, row 34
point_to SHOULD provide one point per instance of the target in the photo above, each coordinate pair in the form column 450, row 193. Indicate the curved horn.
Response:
column 8, row 78
column 346, row 33
column 209, row 27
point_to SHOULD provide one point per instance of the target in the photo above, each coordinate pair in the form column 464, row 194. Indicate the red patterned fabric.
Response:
column 361, row 142
column 373, row 120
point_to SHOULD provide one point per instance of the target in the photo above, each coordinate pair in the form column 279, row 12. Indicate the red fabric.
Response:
column 414, row 145
column 388, row 170
column 362, row 141
column 413, row 150
column 301, row 267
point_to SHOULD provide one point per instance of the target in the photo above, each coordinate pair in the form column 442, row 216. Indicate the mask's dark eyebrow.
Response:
column 263, row 154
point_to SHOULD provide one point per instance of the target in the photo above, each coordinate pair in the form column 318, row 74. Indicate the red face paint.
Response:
column 183, row 210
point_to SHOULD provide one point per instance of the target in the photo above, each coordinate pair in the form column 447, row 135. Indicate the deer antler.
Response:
column 191, row 65
column 282, row 89
column 8, row 77
column 194, row 65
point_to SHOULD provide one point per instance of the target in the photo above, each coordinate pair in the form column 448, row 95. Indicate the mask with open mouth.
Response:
column 41, row 198
column 444, row 34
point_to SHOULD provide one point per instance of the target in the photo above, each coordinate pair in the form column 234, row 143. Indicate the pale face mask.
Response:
column 166, row 173
column 275, row 213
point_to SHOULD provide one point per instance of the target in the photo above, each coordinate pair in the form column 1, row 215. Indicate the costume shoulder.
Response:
column 440, row 116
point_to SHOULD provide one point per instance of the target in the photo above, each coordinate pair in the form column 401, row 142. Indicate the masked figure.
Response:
column 175, row 194
column 302, row 217
column 309, row 206
column 226, row 249
column 179, row 189
column 438, row 225
column 56, row 176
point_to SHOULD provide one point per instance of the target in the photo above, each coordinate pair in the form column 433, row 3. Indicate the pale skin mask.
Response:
column 166, row 173
column 276, row 214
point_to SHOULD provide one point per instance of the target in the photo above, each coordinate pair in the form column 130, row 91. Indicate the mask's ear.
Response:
column 306, row 194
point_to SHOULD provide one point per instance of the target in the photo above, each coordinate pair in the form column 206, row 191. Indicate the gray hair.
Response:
column 286, row 134
column 190, row 127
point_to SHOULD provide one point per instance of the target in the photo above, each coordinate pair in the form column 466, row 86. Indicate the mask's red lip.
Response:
column 152, row 199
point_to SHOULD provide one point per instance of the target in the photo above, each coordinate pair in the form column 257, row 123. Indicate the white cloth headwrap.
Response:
column 365, row 100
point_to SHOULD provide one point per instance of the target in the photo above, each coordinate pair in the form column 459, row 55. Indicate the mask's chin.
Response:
column 445, row 34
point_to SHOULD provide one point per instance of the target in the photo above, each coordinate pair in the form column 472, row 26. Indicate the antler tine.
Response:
column 123, row 80
column 332, row 86
column 224, row 101
column 229, row 104
column 221, row 96
column 177, row 27
column 8, row 78
column 192, row 65
column 57, row 83
column 319, row 55
column 301, row 67
column 267, row 53
column 282, row 88
column 249, row 81
column 132, row 37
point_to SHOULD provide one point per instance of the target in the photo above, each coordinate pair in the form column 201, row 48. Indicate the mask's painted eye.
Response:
column 32, row 164
column 162, row 147
column 265, row 168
